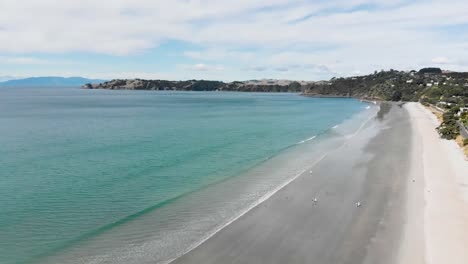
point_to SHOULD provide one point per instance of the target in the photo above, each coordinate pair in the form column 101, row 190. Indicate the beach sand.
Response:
column 438, row 204
column 411, row 187
column 289, row 227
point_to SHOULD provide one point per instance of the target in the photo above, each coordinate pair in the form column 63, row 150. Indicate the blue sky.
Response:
column 229, row 40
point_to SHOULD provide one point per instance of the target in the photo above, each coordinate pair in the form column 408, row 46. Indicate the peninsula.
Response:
column 389, row 85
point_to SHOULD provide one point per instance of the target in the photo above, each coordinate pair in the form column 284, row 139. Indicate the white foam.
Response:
column 303, row 141
column 335, row 127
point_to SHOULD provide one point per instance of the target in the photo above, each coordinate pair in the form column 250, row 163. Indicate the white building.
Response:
column 462, row 110
column 444, row 104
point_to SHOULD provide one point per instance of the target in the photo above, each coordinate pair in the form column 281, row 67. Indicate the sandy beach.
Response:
column 370, row 168
column 437, row 210
column 410, row 185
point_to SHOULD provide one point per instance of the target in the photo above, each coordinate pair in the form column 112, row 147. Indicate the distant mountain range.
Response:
column 50, row 81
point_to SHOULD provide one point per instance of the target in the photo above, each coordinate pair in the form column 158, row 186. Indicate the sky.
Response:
column 229, row 40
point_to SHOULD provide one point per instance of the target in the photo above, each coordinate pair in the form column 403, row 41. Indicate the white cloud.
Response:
column 334, row 34
column 124, row 26
column 255, row 68
column 282, row 69
column 23, row 60
column 441, row 60
column 219, row 54
column 127, row 75
column 202, row 67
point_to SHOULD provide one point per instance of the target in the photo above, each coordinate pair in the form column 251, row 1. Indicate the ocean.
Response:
column 98, row 176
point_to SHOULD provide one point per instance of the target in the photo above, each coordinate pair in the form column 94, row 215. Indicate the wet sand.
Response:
column 371, row 168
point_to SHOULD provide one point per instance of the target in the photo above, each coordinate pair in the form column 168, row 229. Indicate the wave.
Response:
column 313, row 137
column 309, row 139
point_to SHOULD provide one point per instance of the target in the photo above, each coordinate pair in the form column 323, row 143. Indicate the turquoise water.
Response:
column 87, row 169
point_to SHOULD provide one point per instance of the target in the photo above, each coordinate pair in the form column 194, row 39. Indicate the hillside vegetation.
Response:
column 396, row 86
column 429, row 84
column 199, row 85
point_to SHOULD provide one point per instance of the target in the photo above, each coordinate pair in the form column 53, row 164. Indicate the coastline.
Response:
column 290, row 227
column 412, row 185
column 438, row 198
column 414, row 191
column 185, row 221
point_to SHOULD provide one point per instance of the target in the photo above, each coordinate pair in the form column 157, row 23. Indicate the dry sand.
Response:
column 437, row 207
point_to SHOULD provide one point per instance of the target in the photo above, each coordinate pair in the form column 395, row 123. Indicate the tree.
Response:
column 432, row 70
column 448, row 129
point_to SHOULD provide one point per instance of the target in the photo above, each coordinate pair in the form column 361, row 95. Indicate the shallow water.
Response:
column 140, row 176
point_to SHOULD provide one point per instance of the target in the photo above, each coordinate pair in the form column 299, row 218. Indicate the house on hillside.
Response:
column 443, row 104
column 462, row 110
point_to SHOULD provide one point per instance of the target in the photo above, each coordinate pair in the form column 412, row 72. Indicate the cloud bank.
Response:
column 295, row 39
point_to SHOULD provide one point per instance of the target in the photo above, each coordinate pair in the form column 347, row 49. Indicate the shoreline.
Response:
column 387, row 164
column 268, row 195
column 241, row 188
column 290, row 227
column 415, row 206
